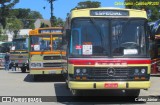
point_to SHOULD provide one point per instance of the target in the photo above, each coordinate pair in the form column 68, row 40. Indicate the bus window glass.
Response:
column 75, row 41
column 128, row 38
column 56, row 42
column 40, row 43
column 20, row 44
column 88, row 32
column 91, row 37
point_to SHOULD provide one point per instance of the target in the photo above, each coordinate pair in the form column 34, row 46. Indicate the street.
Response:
column 15, row 83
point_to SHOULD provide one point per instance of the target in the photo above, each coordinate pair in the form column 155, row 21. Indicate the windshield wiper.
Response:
column 119, row 37
column 97, row 29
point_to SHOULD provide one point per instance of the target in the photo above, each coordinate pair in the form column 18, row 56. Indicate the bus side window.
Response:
column 75, row 41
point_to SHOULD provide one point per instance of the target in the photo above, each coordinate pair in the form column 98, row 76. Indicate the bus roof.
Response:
column 88, row 12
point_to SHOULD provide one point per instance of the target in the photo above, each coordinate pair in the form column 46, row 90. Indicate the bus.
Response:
column 46, row 54
column 155, row 49
column 107, row 49
column 19, row 55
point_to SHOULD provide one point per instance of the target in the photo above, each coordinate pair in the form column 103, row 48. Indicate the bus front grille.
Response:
column 110, row 73
column 52, row 64
column 52, row 57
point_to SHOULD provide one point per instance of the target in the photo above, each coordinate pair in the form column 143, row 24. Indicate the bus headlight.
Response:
column 84, row 70
column 143, row 71
column 38, row 65
column 136, row 71
column 78, row 71
column 33, row 65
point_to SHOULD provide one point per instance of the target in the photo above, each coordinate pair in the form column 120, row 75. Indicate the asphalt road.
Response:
column 15, row 83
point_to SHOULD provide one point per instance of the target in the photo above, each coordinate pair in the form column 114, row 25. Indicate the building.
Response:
column 21, row 33
column 39, row 22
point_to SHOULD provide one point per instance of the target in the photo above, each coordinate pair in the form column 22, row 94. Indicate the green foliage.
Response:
column 87, row 4
column 153, row 11
column 56, row 22
column 6, row 5
column 43, row 25
column 14, row 25
column 27, row 16
column 3, row 37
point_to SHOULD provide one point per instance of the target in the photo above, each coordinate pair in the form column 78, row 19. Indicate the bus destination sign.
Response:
column 109, row 13
column 50, row 31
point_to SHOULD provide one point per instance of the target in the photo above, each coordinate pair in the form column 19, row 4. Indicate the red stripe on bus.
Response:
column 93, row 62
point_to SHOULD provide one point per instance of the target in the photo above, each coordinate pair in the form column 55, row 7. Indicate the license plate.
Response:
column 52, row 72
column 111, row 85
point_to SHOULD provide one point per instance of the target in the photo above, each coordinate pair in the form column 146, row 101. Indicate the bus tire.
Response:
column 132, row 92
column 23, row 69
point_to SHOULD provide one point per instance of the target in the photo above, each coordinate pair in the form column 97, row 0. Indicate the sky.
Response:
column 61, row 7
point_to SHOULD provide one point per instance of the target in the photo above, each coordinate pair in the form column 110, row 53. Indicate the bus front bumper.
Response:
column 109, row 85
column 37, row 72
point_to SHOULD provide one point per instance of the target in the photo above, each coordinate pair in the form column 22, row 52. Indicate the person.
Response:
column 7, row 60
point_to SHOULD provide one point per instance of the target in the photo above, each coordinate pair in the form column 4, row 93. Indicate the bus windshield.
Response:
column 20, row 44
column 43, row 43
column 108, row 37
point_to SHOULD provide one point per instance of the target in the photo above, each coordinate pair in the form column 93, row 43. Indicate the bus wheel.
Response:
column 23, row 69
column 77, row 92
column 132, row 92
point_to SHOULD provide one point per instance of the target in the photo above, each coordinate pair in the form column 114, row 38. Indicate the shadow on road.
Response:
column 155, row 75
column 44, row 78
column 64, row 96
column 61, row 89
column 155, row 96
column 17, row 72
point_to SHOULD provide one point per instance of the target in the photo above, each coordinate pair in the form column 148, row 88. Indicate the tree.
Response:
column 58, row 22
column 53, row 19
column 27, row 16
column 6, row 5
column 14, row 25
column 51, row 7
column 152, row 10
column 88, row 4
